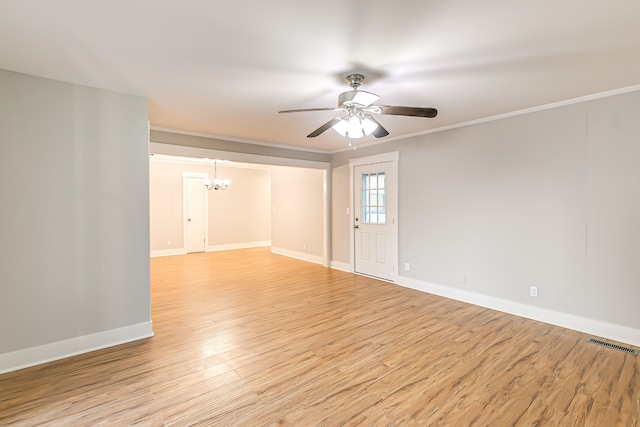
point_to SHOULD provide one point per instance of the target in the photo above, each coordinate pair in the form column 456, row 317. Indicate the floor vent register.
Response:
column 613, row 346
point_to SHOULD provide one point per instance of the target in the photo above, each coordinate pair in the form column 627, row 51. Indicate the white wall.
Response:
column 238, row 217
column 74, row 219
column 550, row 199
column 241, row 215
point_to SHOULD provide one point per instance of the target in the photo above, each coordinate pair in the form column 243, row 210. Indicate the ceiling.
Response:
column 225, row 68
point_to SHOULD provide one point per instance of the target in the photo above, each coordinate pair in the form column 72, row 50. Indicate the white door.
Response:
column 375, row 220
column 195, row 214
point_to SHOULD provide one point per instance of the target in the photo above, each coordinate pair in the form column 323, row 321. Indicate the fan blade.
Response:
column 380, row 132
column 309, row 109
column 324, row 127
column 408, row 111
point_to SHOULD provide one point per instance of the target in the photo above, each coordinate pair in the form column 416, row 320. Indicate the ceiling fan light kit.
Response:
column 357, row 106
column 354, row 126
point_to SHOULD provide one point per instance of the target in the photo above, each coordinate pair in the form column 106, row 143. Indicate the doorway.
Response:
column 195, row 212
column 375, row 222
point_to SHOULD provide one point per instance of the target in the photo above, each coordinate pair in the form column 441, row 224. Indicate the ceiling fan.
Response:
column 356, row 107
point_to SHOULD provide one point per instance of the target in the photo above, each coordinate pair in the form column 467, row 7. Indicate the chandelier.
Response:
column 216, row 184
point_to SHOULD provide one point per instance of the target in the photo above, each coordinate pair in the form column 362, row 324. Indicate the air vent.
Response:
column 613, row 346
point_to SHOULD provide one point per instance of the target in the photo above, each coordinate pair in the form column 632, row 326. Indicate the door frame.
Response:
column 393, row 158
column 185, row 176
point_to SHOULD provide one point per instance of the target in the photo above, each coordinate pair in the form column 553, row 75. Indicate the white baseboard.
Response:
column 59, row 350
column 168, row 252
column 212, row 248
column 243, row 245
column 342, row 266
column 298, row 255
column 598, row 328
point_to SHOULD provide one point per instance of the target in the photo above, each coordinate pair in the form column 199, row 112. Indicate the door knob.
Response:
column 355, row 226
column 188, row 219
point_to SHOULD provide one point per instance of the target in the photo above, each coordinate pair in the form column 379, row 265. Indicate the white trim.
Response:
column 298, row 255
column 610, row 331
column 213, row 248
column 241, row 245
column 201, row 175
column 543, row 107
column 342, row 266
column 392, row 156
column 168, row 252
column 61, row 349
column 563, row 103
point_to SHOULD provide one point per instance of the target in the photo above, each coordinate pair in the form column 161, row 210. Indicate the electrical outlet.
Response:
column 533, row 291
column 169, row 243
column 407, row 266
column 304, row 247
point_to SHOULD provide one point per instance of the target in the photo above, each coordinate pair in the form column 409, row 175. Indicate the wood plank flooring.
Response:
column 249, row 338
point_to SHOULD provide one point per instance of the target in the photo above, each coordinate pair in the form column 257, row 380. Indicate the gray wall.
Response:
column 550, row 198
column 341, row 224
column 74, row 219
column 210, row 143
column 297, row 210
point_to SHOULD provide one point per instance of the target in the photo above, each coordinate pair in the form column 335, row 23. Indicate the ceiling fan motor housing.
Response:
column 359, row 97
column 355, row 80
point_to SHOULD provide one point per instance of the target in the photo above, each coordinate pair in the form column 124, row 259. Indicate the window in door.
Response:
column 373, row 201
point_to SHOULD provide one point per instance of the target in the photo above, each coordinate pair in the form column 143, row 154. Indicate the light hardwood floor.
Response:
column 248, row 338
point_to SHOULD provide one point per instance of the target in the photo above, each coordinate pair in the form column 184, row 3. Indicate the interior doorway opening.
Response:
column 261, row 197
